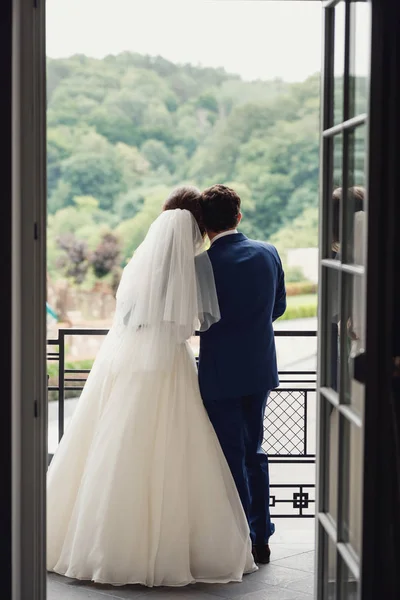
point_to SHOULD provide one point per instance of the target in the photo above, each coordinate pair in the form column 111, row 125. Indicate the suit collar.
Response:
column 228, row 239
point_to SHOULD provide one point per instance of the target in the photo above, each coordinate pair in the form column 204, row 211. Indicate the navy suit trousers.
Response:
column 238, row 423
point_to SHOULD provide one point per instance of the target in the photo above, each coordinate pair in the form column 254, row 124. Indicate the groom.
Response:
column 237, row 364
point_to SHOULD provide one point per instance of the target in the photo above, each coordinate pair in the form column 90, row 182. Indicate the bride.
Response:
column 139, row 491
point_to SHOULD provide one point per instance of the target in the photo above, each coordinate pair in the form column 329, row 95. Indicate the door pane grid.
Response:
column 341, row 397
column 351, row 415
column 345, row 409
column 346, row 125
column 350, row 268
column 330, row 3
column 330, row 395
column 350, row 561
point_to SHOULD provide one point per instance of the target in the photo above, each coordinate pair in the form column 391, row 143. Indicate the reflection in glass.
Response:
column 333, row 316
column 355, row 199
column 332, row 435
column 354, row 298
column 359, row 56
column 352, row 485
column 339, row 62
column 336, row 204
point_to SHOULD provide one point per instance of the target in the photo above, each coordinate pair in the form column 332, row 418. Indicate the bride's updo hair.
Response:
column 186, row 197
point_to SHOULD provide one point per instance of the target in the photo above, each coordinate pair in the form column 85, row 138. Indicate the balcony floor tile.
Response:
column 288, row 577
column 301, row 562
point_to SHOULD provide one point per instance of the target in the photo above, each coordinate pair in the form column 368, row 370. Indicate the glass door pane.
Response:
column 360, row 17
column 338, row 53
column 352, row 485
column 349, row 584
column 356, row 197
column 329, row 581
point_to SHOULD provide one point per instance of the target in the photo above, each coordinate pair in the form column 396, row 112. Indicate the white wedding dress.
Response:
column 139, row 491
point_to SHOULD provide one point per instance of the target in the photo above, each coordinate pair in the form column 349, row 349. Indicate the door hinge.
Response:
column 35, row 231
column 35, row 409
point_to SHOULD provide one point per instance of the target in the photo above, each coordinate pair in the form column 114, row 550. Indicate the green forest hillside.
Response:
column 124, row 130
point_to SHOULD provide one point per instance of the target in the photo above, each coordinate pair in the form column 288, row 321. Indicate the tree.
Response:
column 301, row 233
column 133, row 231
column 183, row 85
column 129, row 204
column 60, row 197
column 56, row 71
column 247, row 208
column 158, row 155
column 112, row 122
column 84, row 220
column 105, row 258
column 208, row 102
column 94, row 174
column 55, row 154
column 134, row 165
column 158, row 123
column 75, row 260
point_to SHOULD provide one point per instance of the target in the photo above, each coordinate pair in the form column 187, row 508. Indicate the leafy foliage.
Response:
column 124, row 130
column 105, row 258
column 74, row 261
column 302, row 311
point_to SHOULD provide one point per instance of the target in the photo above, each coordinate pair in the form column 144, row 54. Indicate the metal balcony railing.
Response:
column 289, row 435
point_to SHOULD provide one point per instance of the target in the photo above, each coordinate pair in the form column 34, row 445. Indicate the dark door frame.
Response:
column 23, row 422
column 5, row 297
column 381, row 545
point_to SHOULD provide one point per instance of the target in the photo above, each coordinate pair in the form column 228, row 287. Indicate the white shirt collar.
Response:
column 223, row 234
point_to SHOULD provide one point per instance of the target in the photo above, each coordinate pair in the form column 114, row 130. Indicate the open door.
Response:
column 28, row 293
column 343, row 285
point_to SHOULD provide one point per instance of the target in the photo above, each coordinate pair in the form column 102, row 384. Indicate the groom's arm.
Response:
column 280, row 295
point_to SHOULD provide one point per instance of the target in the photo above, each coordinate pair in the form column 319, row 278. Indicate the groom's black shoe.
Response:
column 261, row 554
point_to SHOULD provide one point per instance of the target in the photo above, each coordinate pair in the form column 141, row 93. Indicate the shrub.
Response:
column 106, row 256
column 294, row 274
column 74, row 262
column 304, row 311
column 301, row 288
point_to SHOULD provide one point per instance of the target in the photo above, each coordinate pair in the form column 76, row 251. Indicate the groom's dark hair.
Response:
column 221, row 208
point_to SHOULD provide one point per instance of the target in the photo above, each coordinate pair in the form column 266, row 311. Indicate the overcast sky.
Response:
column 255, row 38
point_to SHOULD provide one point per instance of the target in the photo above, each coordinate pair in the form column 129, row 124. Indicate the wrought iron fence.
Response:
column 286, row 424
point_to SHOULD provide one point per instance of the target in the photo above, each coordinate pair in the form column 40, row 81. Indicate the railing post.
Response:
column 61, row 375
column 305, row 421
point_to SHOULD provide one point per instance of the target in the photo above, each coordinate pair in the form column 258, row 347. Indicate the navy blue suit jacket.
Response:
column 237, row 354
